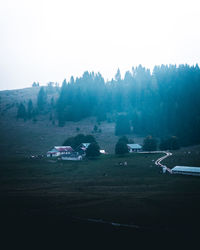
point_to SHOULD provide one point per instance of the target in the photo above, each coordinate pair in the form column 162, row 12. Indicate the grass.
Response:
column 137, row 194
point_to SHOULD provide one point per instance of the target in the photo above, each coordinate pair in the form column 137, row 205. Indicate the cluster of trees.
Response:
column 35, row 84
column 28, row 112
column 165, row 102
column 42, row 106
column 150, row 144
column 170, row 143
column 81, row 98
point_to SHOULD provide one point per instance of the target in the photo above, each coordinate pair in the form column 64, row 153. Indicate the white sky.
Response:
column 49, row 40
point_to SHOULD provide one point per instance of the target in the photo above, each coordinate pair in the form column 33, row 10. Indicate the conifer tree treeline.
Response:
column 165, row 102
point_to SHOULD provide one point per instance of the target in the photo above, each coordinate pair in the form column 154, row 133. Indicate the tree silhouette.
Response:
column 93, row 150
column 30, row 109
column 21, row 112
column 149, row 144
column 121, row 148
column 41, row 99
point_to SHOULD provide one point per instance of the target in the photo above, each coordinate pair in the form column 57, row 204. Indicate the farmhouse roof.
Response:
column 63, row 148
column 134, row 146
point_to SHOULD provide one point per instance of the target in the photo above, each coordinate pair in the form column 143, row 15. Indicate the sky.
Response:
column 50, row 40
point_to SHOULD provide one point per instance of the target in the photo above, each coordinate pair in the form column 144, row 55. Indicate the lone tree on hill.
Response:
column 150, row 143
column 93, row 150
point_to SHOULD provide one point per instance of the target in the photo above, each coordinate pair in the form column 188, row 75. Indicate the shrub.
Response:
column 121, row 148
column 93, row 150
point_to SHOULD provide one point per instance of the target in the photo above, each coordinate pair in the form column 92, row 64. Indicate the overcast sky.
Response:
column 49, row 40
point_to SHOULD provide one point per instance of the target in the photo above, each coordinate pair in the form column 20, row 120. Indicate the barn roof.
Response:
column 186, row 169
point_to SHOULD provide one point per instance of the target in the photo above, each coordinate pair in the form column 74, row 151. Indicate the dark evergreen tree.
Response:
column 170, row 143
column 121, row 148
column 52, row 103
column 30, row 109
column 89, row 139
column 21, row 112
column 93, row 150
column 69, row 142
column 41, row 99
column 164, row 102
column 123, row 139
column 95, row 129
column 75, row 141
column 149, row 144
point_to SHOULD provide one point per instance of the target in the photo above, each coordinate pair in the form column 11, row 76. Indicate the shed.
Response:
column 187, row 170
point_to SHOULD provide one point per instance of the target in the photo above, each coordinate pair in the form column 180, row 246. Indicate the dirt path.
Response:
column 158, row 161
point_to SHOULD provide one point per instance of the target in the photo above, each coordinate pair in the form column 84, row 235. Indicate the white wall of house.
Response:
column 79, row 158
column 53, row 155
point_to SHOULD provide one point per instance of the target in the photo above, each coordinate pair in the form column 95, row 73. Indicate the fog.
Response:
column 51, row 40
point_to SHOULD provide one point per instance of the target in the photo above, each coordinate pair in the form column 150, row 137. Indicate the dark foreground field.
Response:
column 79, row 201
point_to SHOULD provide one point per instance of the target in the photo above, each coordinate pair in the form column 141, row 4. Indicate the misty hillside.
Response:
column 162, row 103
column 36, row 136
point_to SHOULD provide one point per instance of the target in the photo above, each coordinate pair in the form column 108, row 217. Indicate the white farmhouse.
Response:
column 72, row 157
column 134, row 148
column 59, row 150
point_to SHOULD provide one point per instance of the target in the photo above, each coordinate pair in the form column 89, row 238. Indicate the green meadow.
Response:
column 136, row 194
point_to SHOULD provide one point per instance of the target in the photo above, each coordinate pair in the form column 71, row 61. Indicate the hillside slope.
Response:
column 36, row 137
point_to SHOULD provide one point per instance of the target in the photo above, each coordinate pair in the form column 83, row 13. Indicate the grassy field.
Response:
column 138, row 194
column 37, row 192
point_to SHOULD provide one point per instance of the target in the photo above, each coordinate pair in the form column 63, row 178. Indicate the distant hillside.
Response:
column 36, row 137
column 164, row 103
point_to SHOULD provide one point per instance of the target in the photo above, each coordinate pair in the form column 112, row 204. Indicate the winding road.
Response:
column 158, row 161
